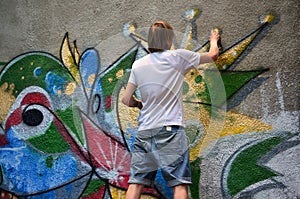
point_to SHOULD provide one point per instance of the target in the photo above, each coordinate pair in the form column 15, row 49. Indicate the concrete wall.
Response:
column 64, row 131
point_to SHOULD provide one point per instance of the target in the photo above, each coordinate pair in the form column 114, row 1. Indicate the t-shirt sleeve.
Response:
column 132, row 78
column 191, row 59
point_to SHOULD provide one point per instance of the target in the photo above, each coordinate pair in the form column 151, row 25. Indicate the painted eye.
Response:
column 32, row 117
column 31, row 114
column 36, row 119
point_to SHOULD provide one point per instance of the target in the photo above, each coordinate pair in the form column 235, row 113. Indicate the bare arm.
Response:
column 213, row 53
column 129, row 99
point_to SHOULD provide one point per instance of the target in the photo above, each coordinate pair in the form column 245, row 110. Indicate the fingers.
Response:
column 214, row 34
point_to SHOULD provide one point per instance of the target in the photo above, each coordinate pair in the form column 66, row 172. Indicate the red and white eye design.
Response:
column 31, row 114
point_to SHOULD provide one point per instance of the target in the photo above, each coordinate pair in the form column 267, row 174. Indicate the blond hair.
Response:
column 160, row 36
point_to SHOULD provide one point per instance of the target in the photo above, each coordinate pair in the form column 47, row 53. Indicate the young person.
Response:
column 161, row 142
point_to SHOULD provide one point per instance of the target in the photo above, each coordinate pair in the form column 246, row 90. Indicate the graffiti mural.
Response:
column 66, row 134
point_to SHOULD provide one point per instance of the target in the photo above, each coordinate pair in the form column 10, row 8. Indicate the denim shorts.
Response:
column 164, row 148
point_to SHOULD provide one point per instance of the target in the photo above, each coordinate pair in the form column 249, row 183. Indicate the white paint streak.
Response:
column 279, row 88
column 284, row 120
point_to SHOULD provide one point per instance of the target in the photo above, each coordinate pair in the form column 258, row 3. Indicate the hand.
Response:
column 137, row 103
column 214, row 35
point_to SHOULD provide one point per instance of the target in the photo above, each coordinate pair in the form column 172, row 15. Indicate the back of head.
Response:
column 160, row 37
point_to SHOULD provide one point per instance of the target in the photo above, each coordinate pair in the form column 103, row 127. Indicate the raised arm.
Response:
column 213, row 53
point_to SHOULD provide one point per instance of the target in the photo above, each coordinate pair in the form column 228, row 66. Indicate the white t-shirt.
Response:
column 159, row 78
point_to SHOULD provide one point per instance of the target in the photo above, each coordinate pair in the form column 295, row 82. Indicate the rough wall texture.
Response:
column 64, row 133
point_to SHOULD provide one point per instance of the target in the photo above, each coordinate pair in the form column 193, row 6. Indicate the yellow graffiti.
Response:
column 268, row 18
column 230, row 56
column 120, row 194
column 120, row 73
column 6, row 99
column 91, row 79
column 70, row 88
column 234, row 124
column 70, row 59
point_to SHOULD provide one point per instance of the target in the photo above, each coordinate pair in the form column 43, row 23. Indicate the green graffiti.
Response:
column 50, row 142
column 196, row 172
column 111, row 78
column 245, row 171
column 49, row 161
column 71, row 118
column 93, row 187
